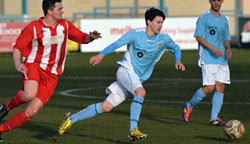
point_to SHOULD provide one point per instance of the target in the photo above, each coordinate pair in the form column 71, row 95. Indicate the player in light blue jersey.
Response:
column 212, row 34
column 144, row 49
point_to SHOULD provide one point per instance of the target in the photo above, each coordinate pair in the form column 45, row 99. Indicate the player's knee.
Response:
column 106, row 107
column 208, row 89
column 30, row 112
column 141, row 92
column 220, row 87
column 28, row 96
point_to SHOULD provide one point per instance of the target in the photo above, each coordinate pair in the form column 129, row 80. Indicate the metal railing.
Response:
column 108, row 14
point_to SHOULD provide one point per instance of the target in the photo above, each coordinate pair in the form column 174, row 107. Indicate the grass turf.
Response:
column 161, row 116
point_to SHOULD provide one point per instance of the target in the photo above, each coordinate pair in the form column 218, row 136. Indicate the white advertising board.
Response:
column 181, row 30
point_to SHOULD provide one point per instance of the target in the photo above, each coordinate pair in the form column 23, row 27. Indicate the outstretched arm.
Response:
column 125, row 39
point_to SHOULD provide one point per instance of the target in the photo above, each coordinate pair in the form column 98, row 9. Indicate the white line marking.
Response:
column 68, row 93
column 193, row 80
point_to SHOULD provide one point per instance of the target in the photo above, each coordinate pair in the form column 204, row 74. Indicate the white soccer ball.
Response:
column 234, row 129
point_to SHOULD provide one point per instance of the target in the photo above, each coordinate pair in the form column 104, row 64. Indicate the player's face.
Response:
column 216, row 5
column 156, row 24
column 57, row 11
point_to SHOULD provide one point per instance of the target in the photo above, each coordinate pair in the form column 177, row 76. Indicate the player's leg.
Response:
column 21, row 96
column 116, row 96
column 30, row 91
column 88, row 112
column 135, row 111
column 209, row 86
column 222, row 78
column 131, row 82
column 136, row 106
column 70, row 119
column 16, row 101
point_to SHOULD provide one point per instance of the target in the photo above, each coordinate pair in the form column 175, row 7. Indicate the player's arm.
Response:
column 80, row 37
column 20, row 47
column 203, row 42
column 17, row 61
column 176, row 50
column 125, row 39
column 109, row 49
column 228, row 49
column 200, row 31
column 227, row 45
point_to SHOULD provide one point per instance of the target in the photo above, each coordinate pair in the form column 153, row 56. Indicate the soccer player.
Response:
column 213, row 36
column 43, row 44
column 145, row 46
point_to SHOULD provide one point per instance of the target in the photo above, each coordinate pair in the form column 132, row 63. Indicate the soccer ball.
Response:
column 234, row 129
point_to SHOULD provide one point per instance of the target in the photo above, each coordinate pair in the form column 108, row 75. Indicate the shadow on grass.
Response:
column 45, row 133
column 102, row 138
column 51, row 136
column 213, row 139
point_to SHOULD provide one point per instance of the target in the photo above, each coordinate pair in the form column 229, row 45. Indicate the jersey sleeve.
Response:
column 25, row 39
column 123, row 40
column 200, row 27
column 175, row 49
column 75, row 34
column 227, row 35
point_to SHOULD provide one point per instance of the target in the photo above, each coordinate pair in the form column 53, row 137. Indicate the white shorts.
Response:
column 127, row 82
column 215, row 72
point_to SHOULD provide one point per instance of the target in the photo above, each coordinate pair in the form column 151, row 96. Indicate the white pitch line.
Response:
column 68, row 93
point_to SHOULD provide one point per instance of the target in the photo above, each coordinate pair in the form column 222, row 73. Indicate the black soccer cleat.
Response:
column 3, row 111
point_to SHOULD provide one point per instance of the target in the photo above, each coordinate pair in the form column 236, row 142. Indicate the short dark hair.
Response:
column 151, row 13
column 49, row 4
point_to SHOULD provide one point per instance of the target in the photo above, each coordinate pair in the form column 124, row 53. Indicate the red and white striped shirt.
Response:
column 39, row 43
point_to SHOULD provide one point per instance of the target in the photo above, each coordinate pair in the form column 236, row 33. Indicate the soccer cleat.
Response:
column 217, row 122
column 136, row 135
column 66, row 124
column 3, row 111
column 186, row 113
column 1, row 140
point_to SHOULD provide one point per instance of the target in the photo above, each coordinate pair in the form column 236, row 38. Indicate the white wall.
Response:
column 180, row 29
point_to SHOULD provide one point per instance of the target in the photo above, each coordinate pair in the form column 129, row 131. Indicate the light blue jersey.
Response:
column 143, row 52
column 215, row 31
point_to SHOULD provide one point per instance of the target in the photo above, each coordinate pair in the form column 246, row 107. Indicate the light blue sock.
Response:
column 198, row 96
column 217, row 102
column 88, row 112
column 135, row 111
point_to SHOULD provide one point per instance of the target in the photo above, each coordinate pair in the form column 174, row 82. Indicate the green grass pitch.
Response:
column 161, row 117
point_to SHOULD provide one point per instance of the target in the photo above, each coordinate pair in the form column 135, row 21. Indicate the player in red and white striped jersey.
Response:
column 43, row 45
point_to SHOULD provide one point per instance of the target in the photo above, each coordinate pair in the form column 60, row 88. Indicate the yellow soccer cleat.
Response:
column 136, row 135
column 66, row 124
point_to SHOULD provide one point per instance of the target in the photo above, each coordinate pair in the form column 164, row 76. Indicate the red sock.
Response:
column 16, row 101
column 16, row 121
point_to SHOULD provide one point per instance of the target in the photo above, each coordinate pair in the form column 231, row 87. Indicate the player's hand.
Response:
column 92, row 36
column 217, row 52
column 94, row 60
column 95, row 34
column 180, row 66
column 21, row 67
column 229, row 53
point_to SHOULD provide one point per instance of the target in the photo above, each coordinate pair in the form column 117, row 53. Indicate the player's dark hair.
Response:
column 49, row 4
column 151, row 13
